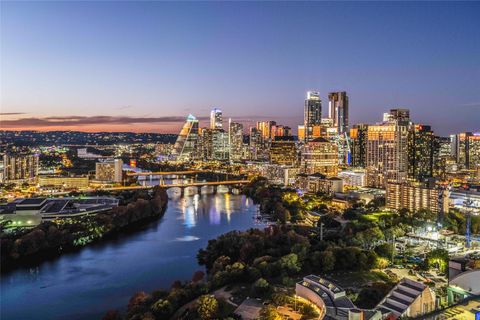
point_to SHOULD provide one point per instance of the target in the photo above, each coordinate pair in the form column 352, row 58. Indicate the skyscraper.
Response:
column 338, row 111
column 216, row 119
column 312, row 113
column 265, row 128
column 235, row 140
column 420, row 152
column 18, row 166
column 185, row 148
column 255, row 143
column 109, row 171
column 283, row 151
column 387, row 152
column 358, row 145
column 320, row 156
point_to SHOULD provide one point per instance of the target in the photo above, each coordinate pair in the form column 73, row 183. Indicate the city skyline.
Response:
column 102, row 72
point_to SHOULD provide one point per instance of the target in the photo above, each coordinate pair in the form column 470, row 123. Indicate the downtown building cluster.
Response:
column 416, row 168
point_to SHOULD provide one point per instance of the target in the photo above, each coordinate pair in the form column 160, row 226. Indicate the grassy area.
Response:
column 356, row 279
column 376, row 216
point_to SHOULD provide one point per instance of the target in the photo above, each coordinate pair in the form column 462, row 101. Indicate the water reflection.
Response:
column 84, row 284
column 215, row 207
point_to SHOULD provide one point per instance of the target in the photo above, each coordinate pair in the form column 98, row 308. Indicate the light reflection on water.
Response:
column 84, row 284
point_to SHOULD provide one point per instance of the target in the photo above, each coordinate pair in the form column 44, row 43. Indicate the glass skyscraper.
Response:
column 312, row 113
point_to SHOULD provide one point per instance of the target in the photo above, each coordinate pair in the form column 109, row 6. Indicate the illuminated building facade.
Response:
column 358, row 145
column 19, row 167
column 466, row 150
column 387, row 156
column 421, row 142
column 280, row 131
column 265, row 128
column 338, row 111
column 185, row 148
column 413, row 197
column 283, row 151
column 255, row 143
column 320, row 156
column 109, row 171
column 235, row 140
column 312, row 113
column 63, row 182
column 216, row 119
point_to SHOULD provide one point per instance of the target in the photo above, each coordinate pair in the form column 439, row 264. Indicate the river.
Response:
column 87, row 283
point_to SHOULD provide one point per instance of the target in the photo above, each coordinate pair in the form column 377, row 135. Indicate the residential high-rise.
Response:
column 387, row 152
column 413, row 197
column 216, row 119
column 466, row 150
column 320, row 156
column 235, row 140
column 283, row 151
column 255, row 143
column 19, row 166
column 265, row 128
column 220, row 148
column 358, row 145
column 338, row 111
column 441, row 156
column 312, row 113
column 185, row 148
column 421, row 143
column 109, row 171
column 280, row 131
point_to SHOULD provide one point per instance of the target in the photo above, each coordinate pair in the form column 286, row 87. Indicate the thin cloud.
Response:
column 471, row 105
column 66, row 121
column 11, row 113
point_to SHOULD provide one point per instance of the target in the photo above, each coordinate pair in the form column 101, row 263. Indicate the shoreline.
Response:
column 150, row 210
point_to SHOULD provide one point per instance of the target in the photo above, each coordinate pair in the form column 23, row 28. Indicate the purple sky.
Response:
column 144, row 66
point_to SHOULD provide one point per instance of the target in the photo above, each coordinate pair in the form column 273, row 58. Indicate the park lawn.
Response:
column 375, row 216
column 357, row 279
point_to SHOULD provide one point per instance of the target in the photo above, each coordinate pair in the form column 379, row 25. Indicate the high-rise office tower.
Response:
column 387, row 152
column 216, row 119
column 338, row 111
column 420, row 152
column 235, row 140
column 312, row 113
column 320, row 156
column 185, row 148
column 19, row 166
column 358, row 145
column 283, row 151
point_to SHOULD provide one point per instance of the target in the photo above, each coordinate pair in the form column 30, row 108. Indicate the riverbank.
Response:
column 54, row 238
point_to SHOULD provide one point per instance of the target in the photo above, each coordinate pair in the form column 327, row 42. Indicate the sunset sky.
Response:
column 144, row 66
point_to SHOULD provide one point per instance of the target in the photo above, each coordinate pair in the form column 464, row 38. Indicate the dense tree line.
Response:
column 67, row 234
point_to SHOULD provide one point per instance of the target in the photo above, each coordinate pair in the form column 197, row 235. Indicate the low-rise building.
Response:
column 317, row 182
column 408, row 299
column 63, row 182
column 28, row 212
column 353, row 178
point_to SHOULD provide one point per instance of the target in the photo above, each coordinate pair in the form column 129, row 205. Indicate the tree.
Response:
column 162, row 308
column 261, row 286
column 269, row 313
column 207, row 307
column 290, row 263
column 327, row 259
